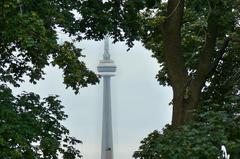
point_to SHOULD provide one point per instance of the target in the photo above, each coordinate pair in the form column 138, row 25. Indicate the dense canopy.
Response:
column 28, row 31
column 30, row 127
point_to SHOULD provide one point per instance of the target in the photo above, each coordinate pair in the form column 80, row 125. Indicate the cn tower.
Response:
column 107, row 69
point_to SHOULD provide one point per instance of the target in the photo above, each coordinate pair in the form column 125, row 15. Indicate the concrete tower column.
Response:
column 106, row 69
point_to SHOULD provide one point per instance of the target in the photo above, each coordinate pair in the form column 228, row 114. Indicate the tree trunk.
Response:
column 185, row 101
column 186, row 89
column 174, row 58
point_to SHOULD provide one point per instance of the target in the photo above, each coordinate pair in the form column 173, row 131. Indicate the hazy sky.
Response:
column 139, row 103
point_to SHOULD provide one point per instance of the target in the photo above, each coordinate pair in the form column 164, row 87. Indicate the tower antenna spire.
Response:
column 106, row 55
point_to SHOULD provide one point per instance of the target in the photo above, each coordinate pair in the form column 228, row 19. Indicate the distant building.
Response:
column 107, row 69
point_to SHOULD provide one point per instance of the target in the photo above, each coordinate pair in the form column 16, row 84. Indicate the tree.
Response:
column 200, row 139
column 216, row 124
column 30, row 126
column 190, row 40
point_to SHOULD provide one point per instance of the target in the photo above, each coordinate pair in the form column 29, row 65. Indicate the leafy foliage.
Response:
column 200, row 139
column 198, row 16
column 29, row 42
column 30, row 127
column 142, row 20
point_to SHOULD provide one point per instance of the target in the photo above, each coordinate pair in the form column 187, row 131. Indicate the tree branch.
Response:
column 235, row 39
column 206, row 58
column 219, row 56
column 172, row 43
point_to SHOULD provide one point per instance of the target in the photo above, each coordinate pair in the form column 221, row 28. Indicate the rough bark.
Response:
column 174, row 57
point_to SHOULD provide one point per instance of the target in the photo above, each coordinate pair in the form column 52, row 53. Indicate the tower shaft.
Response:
column 107, row 138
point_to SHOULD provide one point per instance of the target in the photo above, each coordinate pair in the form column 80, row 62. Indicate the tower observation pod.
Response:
column 107, row 69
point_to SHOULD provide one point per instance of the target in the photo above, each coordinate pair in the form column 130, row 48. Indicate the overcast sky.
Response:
column 139, row 103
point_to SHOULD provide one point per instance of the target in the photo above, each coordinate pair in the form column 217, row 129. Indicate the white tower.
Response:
column 106, row 69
